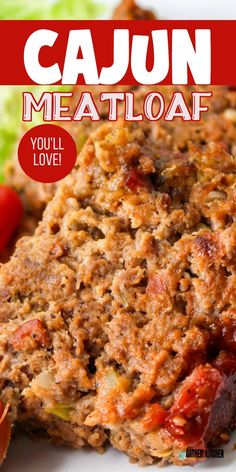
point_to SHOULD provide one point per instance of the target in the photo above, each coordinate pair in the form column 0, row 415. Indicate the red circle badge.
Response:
column 47, row 153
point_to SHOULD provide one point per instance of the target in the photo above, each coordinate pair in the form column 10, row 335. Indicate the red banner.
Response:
column 168, row 49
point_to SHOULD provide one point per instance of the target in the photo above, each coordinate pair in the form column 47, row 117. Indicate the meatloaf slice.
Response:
column 118, row 316
column 36, row 195
column 217, row 125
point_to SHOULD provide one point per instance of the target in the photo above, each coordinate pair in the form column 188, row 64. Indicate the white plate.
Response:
column 27, row 456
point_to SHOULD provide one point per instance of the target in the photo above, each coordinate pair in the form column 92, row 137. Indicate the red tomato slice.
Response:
column 136, row 181
column 203, row 406
column 31, row 328
column 11, row 211
column 207, row 390
column 193, row 405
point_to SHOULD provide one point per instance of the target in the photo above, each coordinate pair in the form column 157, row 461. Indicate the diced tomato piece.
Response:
column 155, row 416
column 204, row 406
column 5, row 431
column 11, row 211
column 206, row 387
column 30, row 329
column 201, row 385
column 193, row 405
column 136, row 180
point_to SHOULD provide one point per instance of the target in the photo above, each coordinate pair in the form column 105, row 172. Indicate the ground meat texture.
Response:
column 130, row 289
column 216, row 126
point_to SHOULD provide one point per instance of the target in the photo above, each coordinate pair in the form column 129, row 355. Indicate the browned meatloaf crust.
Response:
column 36, row 195
column 118, row 315
column 218, row 125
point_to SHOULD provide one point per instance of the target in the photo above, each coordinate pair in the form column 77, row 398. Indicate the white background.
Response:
column 189, row 9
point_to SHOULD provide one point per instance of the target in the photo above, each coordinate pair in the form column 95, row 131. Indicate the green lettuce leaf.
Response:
column 11, row 97
column 49, row 10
